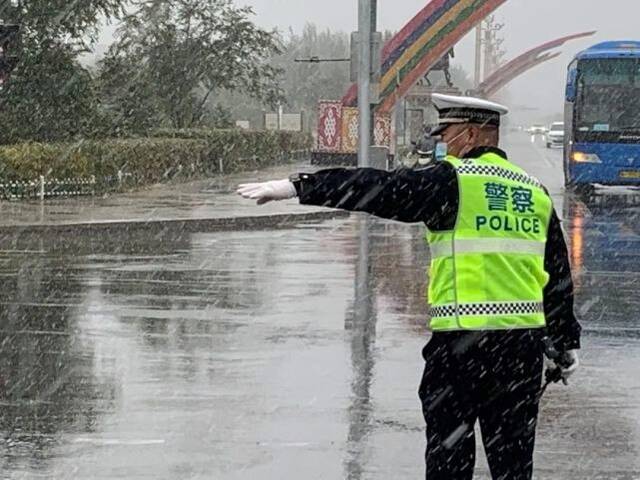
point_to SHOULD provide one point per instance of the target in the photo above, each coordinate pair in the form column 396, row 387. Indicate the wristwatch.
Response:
column 296, row 179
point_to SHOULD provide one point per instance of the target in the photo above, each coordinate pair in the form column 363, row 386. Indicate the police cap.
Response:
column 457, row 110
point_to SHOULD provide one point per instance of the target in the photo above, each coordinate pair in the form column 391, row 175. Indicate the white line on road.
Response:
column 116, row 442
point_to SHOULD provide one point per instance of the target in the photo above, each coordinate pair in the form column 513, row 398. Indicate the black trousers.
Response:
column 493, row 377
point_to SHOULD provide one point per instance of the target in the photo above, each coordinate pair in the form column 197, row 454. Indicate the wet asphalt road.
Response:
column 241, row 355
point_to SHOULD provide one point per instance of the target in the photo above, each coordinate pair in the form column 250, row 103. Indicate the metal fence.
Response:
column 47, row 188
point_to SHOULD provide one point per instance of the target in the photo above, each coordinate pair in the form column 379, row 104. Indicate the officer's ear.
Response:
column 473, row 134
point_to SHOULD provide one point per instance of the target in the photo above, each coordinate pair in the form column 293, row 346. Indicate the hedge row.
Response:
column 154, row 159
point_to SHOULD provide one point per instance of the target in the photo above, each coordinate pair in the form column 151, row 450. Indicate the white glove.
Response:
column 268, row 191
column 570, row 363
column 567, row 365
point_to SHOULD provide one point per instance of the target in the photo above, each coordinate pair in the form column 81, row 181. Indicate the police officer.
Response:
column 500, row 282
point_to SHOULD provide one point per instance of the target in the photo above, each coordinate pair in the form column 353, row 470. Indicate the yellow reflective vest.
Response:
column 488, row 272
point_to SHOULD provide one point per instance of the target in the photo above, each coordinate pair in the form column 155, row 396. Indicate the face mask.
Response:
column 441, row 151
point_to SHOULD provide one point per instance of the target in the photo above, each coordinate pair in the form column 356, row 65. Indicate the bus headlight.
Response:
column 580, row 157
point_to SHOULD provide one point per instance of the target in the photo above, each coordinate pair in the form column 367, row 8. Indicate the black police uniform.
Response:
column 493, row 377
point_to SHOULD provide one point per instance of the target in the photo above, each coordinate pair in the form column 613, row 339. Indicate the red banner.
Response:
column 329, row 126
column 382, row 130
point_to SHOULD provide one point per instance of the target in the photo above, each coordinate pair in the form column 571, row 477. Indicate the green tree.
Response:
column 303, row 83
column 172, row 58
column 306, row 83
column 50, row 95
column 461, row 78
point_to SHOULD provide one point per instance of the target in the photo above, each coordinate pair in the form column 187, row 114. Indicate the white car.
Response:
column 537, row 130
column 555, row 135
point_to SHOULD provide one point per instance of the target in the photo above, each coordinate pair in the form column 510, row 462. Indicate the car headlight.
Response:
column 581, row 157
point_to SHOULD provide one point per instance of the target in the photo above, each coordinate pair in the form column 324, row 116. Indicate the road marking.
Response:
column 546, row 159
column 116, row 442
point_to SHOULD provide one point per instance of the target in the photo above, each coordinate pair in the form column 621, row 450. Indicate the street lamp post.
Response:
column 368, row 70
column 364, row 80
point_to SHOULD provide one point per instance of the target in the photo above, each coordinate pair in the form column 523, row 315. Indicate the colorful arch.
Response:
column 489, row 91
column 525, row 62
column 421, row 43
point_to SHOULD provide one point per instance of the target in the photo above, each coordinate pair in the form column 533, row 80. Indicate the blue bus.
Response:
column 602, row 116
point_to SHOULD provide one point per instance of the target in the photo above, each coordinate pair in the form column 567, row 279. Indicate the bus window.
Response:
column 608, row 98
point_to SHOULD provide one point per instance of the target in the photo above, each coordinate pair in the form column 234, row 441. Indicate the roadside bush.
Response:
column 27, row 161
column 165, row 156
column 243, row 149
column 146, row 160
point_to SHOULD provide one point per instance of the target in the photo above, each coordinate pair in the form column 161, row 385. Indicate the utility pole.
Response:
column 364, row 318
column 478, row 73
column 488, row 49
column 487, row 37
column 373, row 70
column 493, row 52
column 365, row 34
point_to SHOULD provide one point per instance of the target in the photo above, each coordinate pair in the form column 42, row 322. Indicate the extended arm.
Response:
column 426, row 195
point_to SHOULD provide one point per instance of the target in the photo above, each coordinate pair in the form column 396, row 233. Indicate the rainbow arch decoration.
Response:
column 413, row 51
column 523, row 63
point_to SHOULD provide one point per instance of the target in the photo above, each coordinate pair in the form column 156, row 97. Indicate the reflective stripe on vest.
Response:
column 487, row 309
column 487, row 245
column 495, row 171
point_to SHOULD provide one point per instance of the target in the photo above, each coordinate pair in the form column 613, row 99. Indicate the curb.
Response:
column 257, row 222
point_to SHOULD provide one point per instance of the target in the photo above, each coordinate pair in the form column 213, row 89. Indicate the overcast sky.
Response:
column 528, row 24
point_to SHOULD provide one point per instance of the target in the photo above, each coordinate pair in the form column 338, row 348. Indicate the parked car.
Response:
column 537, row 130
column 555, row 135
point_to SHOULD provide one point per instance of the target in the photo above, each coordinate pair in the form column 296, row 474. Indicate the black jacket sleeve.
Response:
column 428, row 195
column 562, row 325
